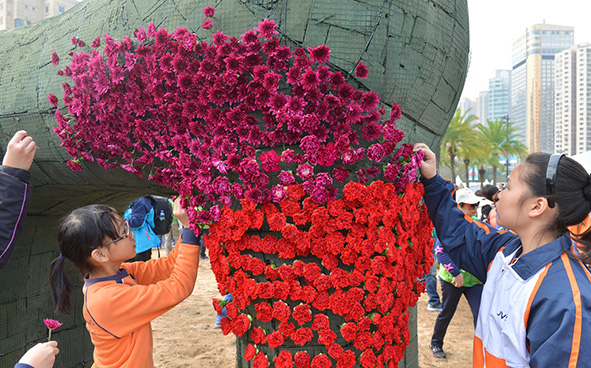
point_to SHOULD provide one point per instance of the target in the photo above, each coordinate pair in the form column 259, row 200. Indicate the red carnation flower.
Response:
column 275, row 339
column 266, row 290
column 271, row 273
column 231, row 310
column 287, row 329
column 276, row 221
column 302, row 314
column 347, row 359
column 368, row 359
column 249, row 352
column 302, row 336
column 283, row 360
column 258, row 335
column 240, row 325
column 321, row 361
column 320, row 322
column 335, row 351
column 260, row 361
column 348, row 331
column 361, row 71
column 302, row 359
column 225, row 325
column 281, row 311
column 264, row 311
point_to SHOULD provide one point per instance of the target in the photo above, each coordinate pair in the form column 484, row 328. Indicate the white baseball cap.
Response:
column 467, row 196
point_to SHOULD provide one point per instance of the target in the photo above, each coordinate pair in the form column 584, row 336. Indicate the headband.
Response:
column 551, row 177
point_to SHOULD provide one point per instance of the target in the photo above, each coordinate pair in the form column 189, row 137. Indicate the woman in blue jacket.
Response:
column 536, row 301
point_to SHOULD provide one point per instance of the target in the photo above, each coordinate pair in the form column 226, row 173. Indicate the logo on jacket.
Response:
column 503, row 316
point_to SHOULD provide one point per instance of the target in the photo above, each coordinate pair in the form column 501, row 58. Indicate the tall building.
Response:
column 482, row 107
column 532, row 83
column 466, row 104
column 499, row 95
column 573, row 100
column 18, row 13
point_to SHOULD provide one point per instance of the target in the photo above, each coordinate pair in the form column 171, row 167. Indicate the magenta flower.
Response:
column 207, row 24
column 361, row 71
column 55, row 60
column 96, row 43
column 208, row 11
column 267, row 28
column 319, row 54
column 52, row 99
column 51, row 324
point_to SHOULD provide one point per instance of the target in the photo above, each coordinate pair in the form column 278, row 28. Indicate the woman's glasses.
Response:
column 121, row 237
column 472, row 206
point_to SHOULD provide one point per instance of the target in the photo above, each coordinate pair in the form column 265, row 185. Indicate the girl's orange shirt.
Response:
column 118, row 309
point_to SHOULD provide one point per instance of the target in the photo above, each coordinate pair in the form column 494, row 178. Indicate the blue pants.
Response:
column 431, row 287
column 451, row 298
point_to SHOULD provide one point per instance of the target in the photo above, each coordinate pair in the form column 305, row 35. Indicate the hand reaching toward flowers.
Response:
column 20, row 151
column 180, row 213
column 428, row 167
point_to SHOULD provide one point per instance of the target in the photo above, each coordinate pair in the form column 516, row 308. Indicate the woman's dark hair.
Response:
column 572, row 194
column 489, row 191
column 79, row 233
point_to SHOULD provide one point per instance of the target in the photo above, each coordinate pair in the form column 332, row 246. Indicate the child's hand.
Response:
column 180, row 213
column 41, row 355
column 429, row 165
column 20, row 151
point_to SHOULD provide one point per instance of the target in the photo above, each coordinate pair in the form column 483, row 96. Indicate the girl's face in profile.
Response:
column 121, row 248
column 510, row 204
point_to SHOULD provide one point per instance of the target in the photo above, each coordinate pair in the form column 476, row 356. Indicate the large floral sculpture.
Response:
column 316, row 226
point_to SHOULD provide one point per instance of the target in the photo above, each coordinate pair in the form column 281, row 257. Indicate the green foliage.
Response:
column 480, row 145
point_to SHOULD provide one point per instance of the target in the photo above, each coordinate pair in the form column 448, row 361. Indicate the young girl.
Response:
column 536, row 301
column 120, row 299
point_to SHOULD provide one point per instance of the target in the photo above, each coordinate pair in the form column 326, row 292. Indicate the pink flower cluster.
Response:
column 222, row 120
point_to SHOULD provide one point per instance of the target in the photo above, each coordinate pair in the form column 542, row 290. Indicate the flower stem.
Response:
column 49, row 338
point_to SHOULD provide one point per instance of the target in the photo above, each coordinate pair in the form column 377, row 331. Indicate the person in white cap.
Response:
column 455, row 282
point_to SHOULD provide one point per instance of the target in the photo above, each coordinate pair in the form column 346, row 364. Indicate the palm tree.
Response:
column 498, row 138
column 457, row 135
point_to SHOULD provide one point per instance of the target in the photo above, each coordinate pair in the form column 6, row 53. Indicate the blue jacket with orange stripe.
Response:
column 535, row 308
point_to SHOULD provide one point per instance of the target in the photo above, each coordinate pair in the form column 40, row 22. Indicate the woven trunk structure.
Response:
column 417, row 52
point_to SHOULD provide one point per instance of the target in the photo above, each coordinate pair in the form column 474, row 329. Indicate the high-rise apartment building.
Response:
column 482, row 107
column 18, row 13
column 572, row 112
column 466, row 105
column 532, row 83
column 499, row 95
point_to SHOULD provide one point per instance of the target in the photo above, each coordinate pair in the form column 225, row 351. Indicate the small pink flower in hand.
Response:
column 51, row 324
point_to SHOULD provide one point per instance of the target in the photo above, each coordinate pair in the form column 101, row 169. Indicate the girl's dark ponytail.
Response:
column 61, row 286
column 78, row 234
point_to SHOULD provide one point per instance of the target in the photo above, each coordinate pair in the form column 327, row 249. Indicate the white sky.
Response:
column 494, row 24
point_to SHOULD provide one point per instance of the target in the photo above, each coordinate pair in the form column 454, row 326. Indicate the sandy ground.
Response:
column 185, row 337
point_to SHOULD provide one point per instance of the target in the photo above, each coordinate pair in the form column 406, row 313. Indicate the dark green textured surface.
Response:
column 416, row 51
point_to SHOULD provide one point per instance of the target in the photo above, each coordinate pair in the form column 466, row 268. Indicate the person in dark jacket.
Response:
column 15, row 196
column 15, row 193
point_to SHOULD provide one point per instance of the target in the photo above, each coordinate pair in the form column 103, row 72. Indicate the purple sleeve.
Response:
column 444, row 259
